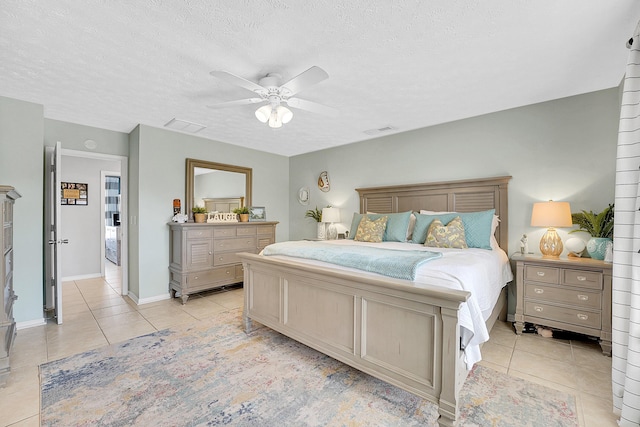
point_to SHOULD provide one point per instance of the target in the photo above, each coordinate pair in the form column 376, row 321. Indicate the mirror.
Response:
column 216, row 185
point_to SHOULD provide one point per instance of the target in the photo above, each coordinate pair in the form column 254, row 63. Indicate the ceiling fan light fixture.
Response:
column 274, row 120
column 284, row 114
column 264, row 113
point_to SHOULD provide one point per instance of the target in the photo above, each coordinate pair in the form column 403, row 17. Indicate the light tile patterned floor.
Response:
column 96, row 315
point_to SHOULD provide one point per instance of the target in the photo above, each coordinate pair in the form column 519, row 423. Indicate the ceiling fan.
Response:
column 277, row 95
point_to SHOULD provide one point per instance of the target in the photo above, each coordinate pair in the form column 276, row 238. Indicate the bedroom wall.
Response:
column 562, row 150
column 158, row 172
column 21, row 166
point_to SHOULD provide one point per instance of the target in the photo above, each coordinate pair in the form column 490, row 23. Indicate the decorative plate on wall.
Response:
column 303, row 196
column 323, row 182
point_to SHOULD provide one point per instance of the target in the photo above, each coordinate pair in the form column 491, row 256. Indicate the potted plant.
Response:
column 599, row 226
column 243, row 213
column 199, row 213
column 316, row 214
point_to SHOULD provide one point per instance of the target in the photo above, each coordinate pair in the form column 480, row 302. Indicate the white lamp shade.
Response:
column 551, row 214
column 330, row 215
column 263, row 113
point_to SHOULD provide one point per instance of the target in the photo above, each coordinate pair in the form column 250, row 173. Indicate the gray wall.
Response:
column 22, row 166
column 73, row 136
column 81, row 224
column 562, row 150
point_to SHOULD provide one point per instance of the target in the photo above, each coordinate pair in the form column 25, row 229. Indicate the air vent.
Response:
column 184, row 126
column 380, row 130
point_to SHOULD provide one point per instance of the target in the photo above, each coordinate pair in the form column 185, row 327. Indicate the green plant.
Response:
column 241, row 210
column 315, row 214
column 596, row 224
column 198, row 210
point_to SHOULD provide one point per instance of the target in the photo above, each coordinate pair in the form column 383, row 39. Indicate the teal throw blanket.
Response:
column 388, row 262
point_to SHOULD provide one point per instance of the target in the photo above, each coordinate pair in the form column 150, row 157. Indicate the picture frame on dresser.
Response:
column 257, row 213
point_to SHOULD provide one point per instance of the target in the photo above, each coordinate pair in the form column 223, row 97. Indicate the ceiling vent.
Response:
column 380, row 130
column 184, row 126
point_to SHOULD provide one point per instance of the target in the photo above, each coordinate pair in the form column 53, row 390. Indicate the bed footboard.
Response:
column 401, row 334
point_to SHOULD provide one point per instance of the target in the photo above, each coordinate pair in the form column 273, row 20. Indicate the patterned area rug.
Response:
column 213, row 374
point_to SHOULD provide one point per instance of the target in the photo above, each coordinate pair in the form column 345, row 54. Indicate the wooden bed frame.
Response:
column 401, row 334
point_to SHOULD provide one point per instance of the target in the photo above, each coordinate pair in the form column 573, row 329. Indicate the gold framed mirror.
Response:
column 232, row 176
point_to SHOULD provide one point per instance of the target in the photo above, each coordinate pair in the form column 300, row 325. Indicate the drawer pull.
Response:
column 538, row 308
column 581, row 278
column 210, row 252
column 195, row 277
column 582, row 316
column 538, row 291
column 228, row 272
column 583, row 297
column 220, row 258
column 540, row 273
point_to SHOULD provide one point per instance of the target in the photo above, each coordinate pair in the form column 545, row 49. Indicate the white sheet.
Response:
column 479, row 271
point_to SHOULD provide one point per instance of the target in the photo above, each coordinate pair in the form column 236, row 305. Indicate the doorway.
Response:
column 95, row 167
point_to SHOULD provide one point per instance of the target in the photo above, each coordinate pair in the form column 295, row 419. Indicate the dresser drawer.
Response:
column 211, row 276
column 246, row 231
column 263, row 242
column 542, row 274
column 585, row 318
column 265, row 229
column 226, row 258
column 240, row 272
column 584, row 279
column 579, row 299
column 247, row 243
column 199, row 233
column 224, row 232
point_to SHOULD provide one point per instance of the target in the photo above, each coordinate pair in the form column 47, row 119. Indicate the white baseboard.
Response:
column 82, row 277
column 31, row 323
column 141, row 301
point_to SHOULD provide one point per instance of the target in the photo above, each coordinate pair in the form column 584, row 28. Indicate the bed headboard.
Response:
column 452, row 196
column 227, row 204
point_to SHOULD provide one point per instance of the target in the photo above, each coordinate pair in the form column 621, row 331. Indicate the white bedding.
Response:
column 479, row 271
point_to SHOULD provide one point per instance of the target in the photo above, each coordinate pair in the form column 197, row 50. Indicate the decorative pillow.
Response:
column 494, row 225
column 446, row 236
column 477, row 227
column 371, row 230
column 397, row 225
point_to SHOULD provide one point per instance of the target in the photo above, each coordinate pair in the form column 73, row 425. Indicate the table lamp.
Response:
column 331, row 215
column 551, row 214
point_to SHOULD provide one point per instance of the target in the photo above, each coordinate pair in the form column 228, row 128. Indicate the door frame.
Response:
column 124, row 212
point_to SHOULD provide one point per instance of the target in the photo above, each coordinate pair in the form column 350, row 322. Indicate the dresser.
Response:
column 204, row 256
column 8, row 195
column 572, row 294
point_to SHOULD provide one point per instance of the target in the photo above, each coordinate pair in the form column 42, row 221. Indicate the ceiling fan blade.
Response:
column 314, row 107
column 238, row 102
column 303, row 80
column 238, row 81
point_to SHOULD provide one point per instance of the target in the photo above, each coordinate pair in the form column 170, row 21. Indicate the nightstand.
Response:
column 572, row 294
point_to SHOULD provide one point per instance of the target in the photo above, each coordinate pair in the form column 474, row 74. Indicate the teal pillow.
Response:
column 397, row 225
column 477, row 227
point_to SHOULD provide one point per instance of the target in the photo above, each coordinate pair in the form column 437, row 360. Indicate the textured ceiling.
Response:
column 407, row 64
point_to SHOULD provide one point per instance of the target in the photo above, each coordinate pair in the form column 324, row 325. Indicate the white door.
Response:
column 53, row 282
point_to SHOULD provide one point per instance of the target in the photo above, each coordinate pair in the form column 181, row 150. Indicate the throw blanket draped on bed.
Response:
column 388, row 262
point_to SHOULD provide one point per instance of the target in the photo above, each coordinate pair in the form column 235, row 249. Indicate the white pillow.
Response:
column 494, row 225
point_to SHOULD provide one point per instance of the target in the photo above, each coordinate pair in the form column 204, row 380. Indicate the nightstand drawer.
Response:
column 585, row 279
column 579, row 299
column 584, row 318
column 537, row 273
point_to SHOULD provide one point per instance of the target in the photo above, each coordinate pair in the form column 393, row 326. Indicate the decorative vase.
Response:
column 597, row 247
column 321, row 231
column 244, row 217
column 199, row 217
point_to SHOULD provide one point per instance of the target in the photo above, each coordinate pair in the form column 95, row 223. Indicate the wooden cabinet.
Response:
column 572, row 294
column 7, row 323
column 205, row 256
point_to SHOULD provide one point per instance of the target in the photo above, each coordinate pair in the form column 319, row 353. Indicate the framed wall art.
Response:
column 74, row 194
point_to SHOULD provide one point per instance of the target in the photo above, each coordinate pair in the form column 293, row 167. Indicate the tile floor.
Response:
column 96, row 315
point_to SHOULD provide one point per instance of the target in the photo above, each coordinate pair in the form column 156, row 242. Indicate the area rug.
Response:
column 212, row 373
